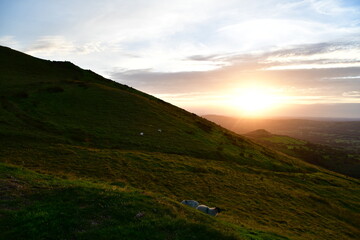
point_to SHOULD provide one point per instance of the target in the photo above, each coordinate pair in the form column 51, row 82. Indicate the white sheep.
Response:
column 211, row 211
column 191, row 203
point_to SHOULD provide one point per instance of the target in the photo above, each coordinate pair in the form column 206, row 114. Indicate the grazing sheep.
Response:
column 211, row 211
column 191, row 203
column 139, row 215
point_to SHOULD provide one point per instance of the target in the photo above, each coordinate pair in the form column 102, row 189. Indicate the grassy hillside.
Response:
column 71, row 124
column 58, row 102
column 321, row 155
column 38, row 206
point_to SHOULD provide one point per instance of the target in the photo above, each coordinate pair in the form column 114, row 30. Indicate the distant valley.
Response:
column 335, row 159
column 334, row 133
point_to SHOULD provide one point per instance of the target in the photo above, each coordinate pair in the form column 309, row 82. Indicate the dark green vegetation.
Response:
column 321, row 155
column 81, row 134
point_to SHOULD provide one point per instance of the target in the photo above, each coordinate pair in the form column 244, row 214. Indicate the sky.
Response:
column 248, row 58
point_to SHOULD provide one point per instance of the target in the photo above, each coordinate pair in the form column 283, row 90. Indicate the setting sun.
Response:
column 253, row 101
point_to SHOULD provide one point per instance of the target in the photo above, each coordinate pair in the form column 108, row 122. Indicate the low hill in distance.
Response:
column 335, row 133
column 327, row 157
column 80, row 147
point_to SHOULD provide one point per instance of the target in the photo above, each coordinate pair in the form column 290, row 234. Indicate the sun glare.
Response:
column 253, row 101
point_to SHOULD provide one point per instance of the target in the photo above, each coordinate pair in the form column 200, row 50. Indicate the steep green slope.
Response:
column 65, row 121
column 324, row 156
column 58, row 102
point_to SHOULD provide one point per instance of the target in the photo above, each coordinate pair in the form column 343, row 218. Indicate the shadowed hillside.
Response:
column 69, row 123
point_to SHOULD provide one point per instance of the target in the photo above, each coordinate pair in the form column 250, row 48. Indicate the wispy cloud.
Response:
column 50, row 45
column 355, row 94
column 331, row 7
column 9, row 41
column 322, row 55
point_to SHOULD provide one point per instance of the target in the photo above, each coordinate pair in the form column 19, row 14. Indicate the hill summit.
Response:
column 259, row 133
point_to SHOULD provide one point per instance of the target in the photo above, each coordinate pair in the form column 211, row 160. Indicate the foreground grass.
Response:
column 38, row 206
column 300, row 205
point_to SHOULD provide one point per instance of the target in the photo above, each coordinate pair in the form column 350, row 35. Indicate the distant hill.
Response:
column 82, row 155
column 335, row 133
column 321, row 155
column 260, row 133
